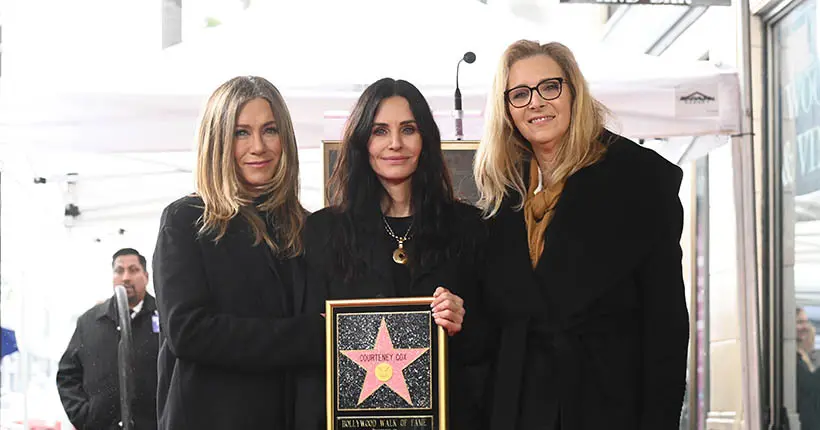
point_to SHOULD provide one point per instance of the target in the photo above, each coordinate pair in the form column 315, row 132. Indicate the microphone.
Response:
column 469, row 58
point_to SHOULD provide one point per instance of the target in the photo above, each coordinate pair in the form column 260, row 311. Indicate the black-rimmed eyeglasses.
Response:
column 548, row 89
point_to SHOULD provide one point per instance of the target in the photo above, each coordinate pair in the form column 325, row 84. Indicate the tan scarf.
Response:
column 538, row 211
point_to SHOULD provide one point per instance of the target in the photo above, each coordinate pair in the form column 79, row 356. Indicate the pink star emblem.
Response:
column 384, row 365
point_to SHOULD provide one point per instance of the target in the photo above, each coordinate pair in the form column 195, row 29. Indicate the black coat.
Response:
column 598, row 331
column 808, row 396
column 231, row 340
column 88, row 376
column 468, row 350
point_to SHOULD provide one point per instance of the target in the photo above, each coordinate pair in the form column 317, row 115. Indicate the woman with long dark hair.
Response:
column 395, row 229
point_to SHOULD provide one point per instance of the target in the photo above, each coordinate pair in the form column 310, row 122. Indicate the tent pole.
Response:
column 746, row 242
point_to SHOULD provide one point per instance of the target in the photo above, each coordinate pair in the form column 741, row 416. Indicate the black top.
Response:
column 401, row 272
column 808, row 396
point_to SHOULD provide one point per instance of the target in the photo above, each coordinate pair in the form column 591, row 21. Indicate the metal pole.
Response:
column 772, row 297
column 125, row 357
column 746, row 243
column 779, row 419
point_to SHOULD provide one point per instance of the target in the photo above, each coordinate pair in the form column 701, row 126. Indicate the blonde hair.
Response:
column 498, row 167
column 218, row 182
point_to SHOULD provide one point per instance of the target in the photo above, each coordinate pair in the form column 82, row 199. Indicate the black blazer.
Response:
column 88, row 374
column 469, row 349
column 808, row 395
column 231, row 340
column 602, row 319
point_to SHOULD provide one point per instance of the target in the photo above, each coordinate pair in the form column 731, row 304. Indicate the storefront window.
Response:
column 797, row 137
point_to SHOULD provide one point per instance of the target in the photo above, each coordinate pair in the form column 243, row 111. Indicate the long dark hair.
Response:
column 355, row 192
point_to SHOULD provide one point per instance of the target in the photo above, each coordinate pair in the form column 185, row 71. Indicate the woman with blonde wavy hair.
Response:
column 228, row 272
column 584, row 264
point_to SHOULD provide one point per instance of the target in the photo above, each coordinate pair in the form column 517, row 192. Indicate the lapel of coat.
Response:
column 240, row 249
column 109, row 310
column 297, row 270
column 597, row 236
column 420, row 272
column 272, row 262
column 511, row 248
column 516, row 244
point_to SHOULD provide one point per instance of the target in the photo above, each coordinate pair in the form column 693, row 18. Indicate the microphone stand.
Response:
column 469, row 57
column 459, row 113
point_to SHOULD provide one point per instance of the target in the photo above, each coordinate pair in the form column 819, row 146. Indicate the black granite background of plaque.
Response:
column 355, row 329
column 407, row 330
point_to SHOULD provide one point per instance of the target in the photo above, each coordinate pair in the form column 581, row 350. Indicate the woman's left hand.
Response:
column 448, row 310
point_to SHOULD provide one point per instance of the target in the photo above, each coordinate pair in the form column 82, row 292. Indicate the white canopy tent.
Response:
column 321, row 55
column 153, row 106
column 118, row 127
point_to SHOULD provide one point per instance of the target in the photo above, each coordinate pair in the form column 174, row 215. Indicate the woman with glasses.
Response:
column 584, row 263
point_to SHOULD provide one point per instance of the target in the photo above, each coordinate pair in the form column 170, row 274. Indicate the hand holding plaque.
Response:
column 448, row 310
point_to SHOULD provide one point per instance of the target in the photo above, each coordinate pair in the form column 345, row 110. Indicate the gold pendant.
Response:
column 400, row 255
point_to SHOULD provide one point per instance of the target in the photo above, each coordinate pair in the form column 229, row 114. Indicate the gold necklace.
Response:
column 400, row 254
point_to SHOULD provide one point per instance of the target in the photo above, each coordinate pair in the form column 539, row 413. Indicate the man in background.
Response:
column 88, row 380
column 808, row 378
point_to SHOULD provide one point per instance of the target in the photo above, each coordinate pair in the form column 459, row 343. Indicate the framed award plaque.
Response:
column 386, row 365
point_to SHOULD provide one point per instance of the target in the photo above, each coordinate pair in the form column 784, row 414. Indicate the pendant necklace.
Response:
column 400, row 254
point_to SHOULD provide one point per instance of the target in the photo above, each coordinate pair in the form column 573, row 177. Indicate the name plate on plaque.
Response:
column 386, row 365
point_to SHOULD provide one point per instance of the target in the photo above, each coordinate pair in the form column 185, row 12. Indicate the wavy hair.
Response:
column 499, row 162
column 218, row 182
column 356, row 193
